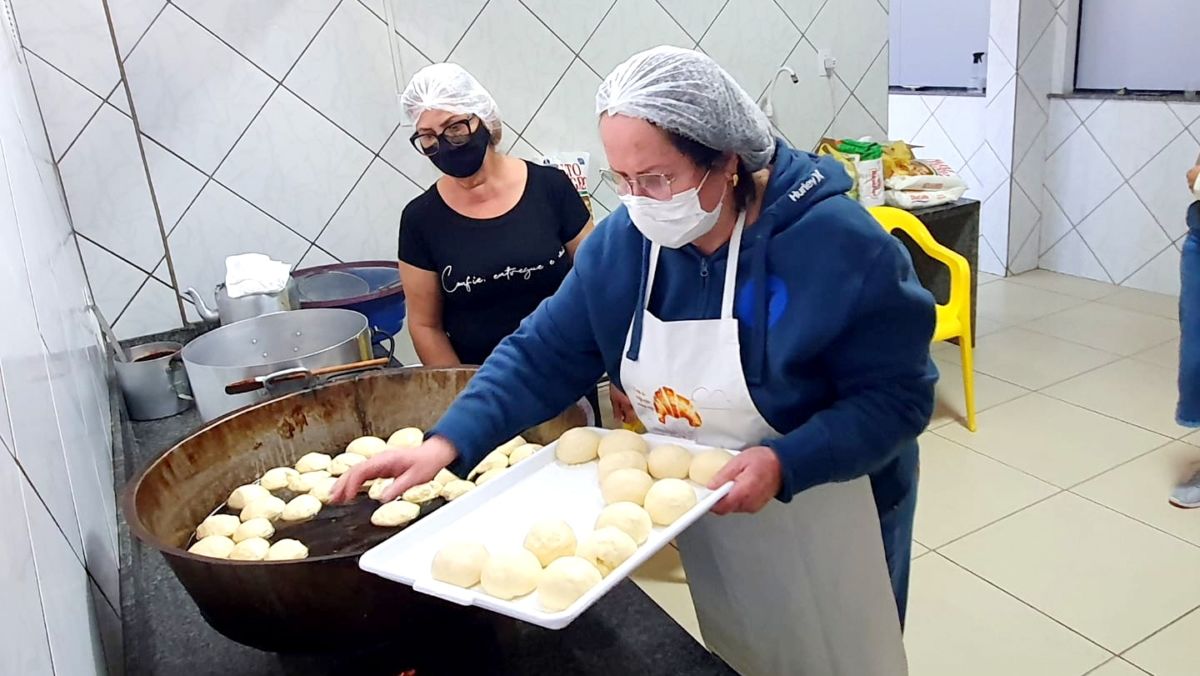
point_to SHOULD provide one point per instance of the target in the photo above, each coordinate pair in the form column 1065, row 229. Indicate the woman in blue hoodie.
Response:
column 739, row 298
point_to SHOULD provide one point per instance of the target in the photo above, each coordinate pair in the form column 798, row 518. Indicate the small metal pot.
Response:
column 153, row 381
column 230, row 310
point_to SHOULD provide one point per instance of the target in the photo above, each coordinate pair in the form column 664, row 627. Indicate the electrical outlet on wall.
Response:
column 826, row 62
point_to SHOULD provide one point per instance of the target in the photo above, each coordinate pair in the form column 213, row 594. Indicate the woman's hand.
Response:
column 756, row 475
column 621, row 406
column 409, row 466
column 1192, row 175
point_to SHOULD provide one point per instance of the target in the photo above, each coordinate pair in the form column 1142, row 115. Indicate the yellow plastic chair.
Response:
column 953, row 318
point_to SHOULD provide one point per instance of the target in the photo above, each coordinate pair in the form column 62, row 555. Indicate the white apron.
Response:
column 799, row 589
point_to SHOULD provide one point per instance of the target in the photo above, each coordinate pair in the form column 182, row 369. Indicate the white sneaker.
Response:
column 1187, row 494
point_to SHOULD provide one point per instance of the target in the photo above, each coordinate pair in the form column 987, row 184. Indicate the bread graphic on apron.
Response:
column 670, row 404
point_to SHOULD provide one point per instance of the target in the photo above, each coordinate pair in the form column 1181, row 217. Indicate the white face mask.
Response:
column 675, row 222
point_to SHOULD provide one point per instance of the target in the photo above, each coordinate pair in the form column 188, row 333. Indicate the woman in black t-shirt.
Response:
column 492, row 238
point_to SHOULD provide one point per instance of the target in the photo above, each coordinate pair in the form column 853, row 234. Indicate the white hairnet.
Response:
column 688, row 93
column 446, row 86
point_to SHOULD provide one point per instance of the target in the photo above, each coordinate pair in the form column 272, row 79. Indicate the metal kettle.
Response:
column 230, row 310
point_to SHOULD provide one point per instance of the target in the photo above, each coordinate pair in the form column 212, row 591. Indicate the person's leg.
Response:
column 897, row 528
column 1188, row 411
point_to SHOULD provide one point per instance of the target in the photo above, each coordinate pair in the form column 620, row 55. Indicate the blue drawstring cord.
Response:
column 635, row 339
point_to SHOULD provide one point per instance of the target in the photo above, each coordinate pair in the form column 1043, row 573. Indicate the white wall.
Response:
column 274, row 126
column 59, row 583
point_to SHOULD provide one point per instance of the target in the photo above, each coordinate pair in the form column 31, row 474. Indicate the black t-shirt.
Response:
column 494, row 271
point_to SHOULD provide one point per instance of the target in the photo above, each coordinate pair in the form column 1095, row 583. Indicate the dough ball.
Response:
column 622, row 440
column 445, row 476
column 706, row 465
column 343, row 462
column 313, row 462
column 243, row 495
column 491, row 461
column 522, row 452
column 668, row 500
column 620, row 460
column 323, row 489
column 669, row 462
column 489, row 475
column 550, row 539
column 277, row 478
column 365, row 446
column 254, row 528
column 250, row 549
column 301, row 508
column 269, row 508
column 510, row 574
column 577, row 446
column 627, row 517
column 511, row 445
column 395, row 513
column 456, row 489
column 564, row 581
column 625, row 485
column 213, row 546
column 422, row 493
column 303, row 482
column 287, row 550
column 460, row 563
column 377, row 488
column 606, row 548
column 218, row 524
column 409, row 437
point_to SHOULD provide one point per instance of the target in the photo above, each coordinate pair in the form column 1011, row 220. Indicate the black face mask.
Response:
column 465, row 160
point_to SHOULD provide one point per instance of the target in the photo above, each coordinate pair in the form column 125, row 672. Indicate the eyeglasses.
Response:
column 455, row 134
column 654, row 186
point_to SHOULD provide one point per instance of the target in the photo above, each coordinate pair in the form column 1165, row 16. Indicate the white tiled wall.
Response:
column 58, row 562
column 275, row 125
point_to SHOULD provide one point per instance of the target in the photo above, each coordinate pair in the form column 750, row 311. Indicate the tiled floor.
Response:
column 1044, row 542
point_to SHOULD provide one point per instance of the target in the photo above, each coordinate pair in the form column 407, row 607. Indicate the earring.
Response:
column 734, row 180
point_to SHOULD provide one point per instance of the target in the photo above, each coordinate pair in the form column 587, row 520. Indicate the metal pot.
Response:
column 268, row 345
column 230, row 310
column 153, row 381
column 325, row 601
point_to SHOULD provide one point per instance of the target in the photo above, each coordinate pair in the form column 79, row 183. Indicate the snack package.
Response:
column 829, row 147
column 913, row 199
column 870, row 182
column 925, row 175
column 575, row 166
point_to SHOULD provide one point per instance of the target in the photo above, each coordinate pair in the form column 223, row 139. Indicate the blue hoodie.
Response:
column 836, row 353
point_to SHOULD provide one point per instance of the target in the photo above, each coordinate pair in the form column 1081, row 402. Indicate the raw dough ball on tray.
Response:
column 366, row 447
column 213, row 546
column 422, row 493
column 323, row 489
column 343, row 462
column 460, row 563
column 270, row 508
column 669, row 462
column 313, row 462
column 622, row 440
column 669, row 499
column 287, row 550
column 491, row 461
column 550, row 539
column 378, row 487
column 217, row 524
column 409, row 437
column 625, row 485
column 254, row 528
column 628, row 517
column 277, row 478
column 511, row 445
column 620, row 460
column 250, row 549
column 445, row 476
column 456, row 489
column 577, row 446
column 706, row 465
column 395, row 513
column 564, row 581
column 301, row 508
column 489, row 475
column 304, row 482
column 606, row 548
column 523, row 452
column 243, row 495
column 510, row 574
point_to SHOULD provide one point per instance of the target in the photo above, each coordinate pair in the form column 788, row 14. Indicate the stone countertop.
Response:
column 624, row 633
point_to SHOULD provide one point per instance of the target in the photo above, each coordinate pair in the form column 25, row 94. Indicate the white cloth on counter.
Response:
column 251, row 273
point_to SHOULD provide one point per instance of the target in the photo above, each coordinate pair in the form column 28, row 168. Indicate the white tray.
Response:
column 500, row 513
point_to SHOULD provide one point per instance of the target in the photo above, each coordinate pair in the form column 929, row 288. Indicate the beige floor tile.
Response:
column 1053, row 440
column 1147, row 302
column 951, row 406
column 1129, row 390
column 1105, row 575
column 1116, row 667
column 663, row 580
column 959, row 624
column 1087, row 289
column 961, row 490
column 1010, row 303
column 1107, row 327
column 1165, row 355
column 1030, row 359
column 1174, row 651
column 919, row 550
column 988, row 278
column 1140, row 488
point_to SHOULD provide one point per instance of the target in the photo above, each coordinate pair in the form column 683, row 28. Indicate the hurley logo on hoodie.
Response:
column 809, row 183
